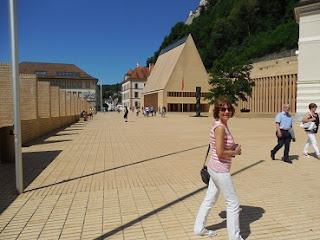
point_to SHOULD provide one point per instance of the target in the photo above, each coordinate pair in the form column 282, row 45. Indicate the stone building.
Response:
column 68, row 77
column 307, row 13
column 133, row 84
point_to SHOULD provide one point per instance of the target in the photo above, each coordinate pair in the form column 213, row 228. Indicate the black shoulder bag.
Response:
column 205, row 176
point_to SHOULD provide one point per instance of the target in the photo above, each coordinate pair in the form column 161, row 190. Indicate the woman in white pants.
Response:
column 311, row 116
column 222, row 150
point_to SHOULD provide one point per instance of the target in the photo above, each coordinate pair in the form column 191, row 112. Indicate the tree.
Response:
column 230, row 78
column 258, row 27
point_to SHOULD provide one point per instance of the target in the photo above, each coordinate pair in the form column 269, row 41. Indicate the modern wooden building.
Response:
column 173, row 81
column 275, row 84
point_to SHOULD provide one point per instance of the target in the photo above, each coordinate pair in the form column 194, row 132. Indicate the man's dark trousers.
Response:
column 285, row 139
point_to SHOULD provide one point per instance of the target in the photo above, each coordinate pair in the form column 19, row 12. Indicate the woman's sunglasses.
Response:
column 223, row 109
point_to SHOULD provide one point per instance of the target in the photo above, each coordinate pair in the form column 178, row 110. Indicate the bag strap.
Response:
column 206, row 155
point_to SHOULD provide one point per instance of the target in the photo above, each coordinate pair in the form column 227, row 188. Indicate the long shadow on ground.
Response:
column 151, row 213
column 115, row 168
column 58, row 132
column 33, row 164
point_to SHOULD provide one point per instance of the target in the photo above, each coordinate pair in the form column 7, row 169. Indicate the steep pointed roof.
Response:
column 164, row 66
column 180, row 61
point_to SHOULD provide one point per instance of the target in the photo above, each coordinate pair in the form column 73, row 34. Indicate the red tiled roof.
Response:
column 52, row 69
column 139, row 73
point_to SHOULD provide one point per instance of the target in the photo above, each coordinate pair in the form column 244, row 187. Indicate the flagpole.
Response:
column 16, row 94
column 182, row 90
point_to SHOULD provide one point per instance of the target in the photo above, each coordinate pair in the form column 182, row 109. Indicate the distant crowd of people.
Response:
column 146, row 111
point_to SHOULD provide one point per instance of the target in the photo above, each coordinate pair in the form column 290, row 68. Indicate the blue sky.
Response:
column 105, row 38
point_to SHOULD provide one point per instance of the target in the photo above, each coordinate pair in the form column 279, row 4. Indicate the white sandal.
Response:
column 306, row 155
column 206, row 232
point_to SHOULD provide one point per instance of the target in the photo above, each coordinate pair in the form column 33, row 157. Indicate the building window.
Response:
column 88, row 84
column 68, row 84
column 136, row 86
column 185, row 94
column 136, row 94
column 40, row 73
column 79, row 94
column 79, row 84
column 68, row 74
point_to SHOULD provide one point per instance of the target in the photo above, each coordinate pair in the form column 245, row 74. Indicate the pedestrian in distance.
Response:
column 91, row 113
column 311, row 116
column 125, row 116
column 223, row 149
column 284, row 123
column 163, row 112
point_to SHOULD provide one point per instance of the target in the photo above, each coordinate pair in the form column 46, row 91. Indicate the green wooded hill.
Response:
column 246, row 29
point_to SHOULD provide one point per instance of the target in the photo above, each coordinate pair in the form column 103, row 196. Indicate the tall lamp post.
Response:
column 101, row 100
column 16, row 94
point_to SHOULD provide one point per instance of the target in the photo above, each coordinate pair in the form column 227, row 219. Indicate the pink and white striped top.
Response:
column 217, row 164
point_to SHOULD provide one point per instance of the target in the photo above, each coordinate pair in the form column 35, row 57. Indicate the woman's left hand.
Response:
column 238, row 150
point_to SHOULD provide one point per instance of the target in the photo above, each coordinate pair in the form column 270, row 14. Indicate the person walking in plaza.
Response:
column 125, row 116
column 311, row 116
column 91, row 113
column 284, row 122
column 222, row 150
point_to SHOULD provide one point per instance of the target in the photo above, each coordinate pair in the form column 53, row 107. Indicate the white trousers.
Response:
column 220, row 182
column 311, row 140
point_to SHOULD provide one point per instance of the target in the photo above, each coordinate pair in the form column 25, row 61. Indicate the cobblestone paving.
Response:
column 107, row 179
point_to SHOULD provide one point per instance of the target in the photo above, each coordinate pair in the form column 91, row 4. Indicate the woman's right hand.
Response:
column 238, row 150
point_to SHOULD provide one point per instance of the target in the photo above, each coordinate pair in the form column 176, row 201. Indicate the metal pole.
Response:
column 182, row 89
column 16, row 94
column 101, row 100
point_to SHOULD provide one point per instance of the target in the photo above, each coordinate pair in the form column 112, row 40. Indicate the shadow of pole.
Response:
column 33, row 164
column 129, row 224
column 115, row 168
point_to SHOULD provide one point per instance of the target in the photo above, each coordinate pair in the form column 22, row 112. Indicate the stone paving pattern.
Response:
column 107, row 179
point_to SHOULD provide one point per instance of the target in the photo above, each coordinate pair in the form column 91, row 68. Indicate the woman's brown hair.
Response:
column 312, row 105
column 219, row 103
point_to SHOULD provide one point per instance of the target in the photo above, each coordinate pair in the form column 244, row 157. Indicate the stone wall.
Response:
column 42, row 108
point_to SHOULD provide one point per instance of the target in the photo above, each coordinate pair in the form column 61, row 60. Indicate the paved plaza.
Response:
column 107, row 179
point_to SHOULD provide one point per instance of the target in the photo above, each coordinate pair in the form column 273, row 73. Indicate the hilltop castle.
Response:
column 196, row 13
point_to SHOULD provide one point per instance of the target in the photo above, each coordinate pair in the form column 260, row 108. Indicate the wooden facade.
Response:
column 270, row 93
column 275, row 84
